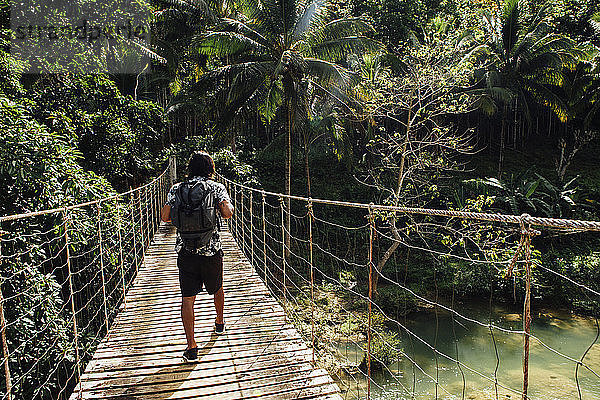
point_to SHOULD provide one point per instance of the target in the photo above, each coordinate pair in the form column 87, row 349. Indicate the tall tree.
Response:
column 271, row 53
column 521, row 62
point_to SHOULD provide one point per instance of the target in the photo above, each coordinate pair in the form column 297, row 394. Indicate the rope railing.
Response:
column 326, row 270
column 66, row 272
column 65, row 275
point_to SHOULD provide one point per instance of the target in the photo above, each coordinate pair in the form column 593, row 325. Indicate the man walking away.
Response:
column 193, row 207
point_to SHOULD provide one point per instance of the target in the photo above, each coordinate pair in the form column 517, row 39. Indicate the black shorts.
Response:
column 196, row 270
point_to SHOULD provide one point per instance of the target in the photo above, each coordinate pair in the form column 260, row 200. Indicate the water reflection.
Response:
column 551, row 376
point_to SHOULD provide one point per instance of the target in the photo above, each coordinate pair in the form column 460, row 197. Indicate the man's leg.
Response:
column 219, row 304
column 187, row 316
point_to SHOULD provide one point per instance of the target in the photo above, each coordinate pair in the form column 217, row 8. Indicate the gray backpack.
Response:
column 194, row 213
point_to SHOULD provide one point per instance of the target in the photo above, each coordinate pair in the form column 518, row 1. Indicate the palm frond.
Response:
column 234, row 25
column 196, row 6
column 263, row 13
column 487, row 105
column 330, row 73
column 273, row 100
column 546, row 97
column 223, row 44
column 209, row 80
column 511, row 24
column 549, row 76
column 595, row 22
column 475, row 53
column 340, row 28
column 145, row 49
column 312, row 14
column 337, row 49
column 501, row 94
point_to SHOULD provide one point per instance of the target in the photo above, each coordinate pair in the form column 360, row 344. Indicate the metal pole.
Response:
column 371, row 229
column 312, row 279
column 264, row 226
column 251, row 232
column 283, row 248
column 102, row 266
column 5, row 352
column 75, row 331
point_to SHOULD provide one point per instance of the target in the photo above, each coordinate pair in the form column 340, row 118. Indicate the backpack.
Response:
column 194, row 213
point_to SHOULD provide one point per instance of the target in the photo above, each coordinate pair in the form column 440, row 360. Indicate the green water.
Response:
column 551, row 376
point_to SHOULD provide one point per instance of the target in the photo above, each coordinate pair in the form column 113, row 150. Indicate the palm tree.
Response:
column 522, row 63
column 581, row 94
column 271, row 53
column 176, row 23
column 324, row 123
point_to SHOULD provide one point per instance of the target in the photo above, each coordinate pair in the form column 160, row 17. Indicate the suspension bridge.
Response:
column 89, row 305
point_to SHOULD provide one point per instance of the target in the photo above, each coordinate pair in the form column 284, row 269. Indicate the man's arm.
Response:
column 226, row 209
column 165, row 213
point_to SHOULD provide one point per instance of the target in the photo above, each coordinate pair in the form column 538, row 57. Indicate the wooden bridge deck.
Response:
column 259, row 356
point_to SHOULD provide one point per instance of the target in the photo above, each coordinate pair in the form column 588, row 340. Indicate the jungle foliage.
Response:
column 469, row 105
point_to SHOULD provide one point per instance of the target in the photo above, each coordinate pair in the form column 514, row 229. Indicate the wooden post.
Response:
column 264, row 226
column 242, row 225
column 5, row 352
column 102, row 265
column 251, row 232
column 229, row 221
column 527, row 232
column 133, row 233
column 283, row 249
column 312, row 279
column 141, row 228
column 173, row 170
column 235, row 219
column 121, row 260
column 72, row 293
column 153, row 205
column 371, row 229
column 146, row 216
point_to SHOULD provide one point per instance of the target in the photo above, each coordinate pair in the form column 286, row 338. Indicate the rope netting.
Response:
column 378, row 293
column 350, row 277
column 65, row 273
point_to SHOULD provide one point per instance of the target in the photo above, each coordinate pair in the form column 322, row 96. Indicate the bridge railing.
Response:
column 325, row 261
column 64, row 276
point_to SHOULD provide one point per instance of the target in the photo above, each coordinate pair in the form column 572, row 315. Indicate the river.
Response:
column 551, row 376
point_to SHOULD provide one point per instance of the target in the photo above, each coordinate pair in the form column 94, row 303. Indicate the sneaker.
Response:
column 219, row 328
column 190, row 355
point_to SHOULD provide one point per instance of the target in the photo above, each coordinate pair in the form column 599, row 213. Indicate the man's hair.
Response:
column 201, row 164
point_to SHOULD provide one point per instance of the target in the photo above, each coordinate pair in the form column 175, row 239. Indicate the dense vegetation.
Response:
column 473, row 105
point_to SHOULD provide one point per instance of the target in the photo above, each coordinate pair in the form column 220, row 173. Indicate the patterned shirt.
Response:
column 214, row 245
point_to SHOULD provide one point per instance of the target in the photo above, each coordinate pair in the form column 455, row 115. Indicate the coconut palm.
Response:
column 272, row 52
column 522, row 62
column 581, row 94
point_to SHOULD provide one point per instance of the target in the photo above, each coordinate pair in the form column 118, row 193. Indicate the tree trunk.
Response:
column 232, row 143
column 288, row 85
column 502, row 144
column 307, row 168
column 386, row 256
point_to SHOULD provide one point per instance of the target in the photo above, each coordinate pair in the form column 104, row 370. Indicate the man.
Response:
column 199, row 264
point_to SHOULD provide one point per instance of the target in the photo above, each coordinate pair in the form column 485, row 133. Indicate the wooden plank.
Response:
column 261, row 355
